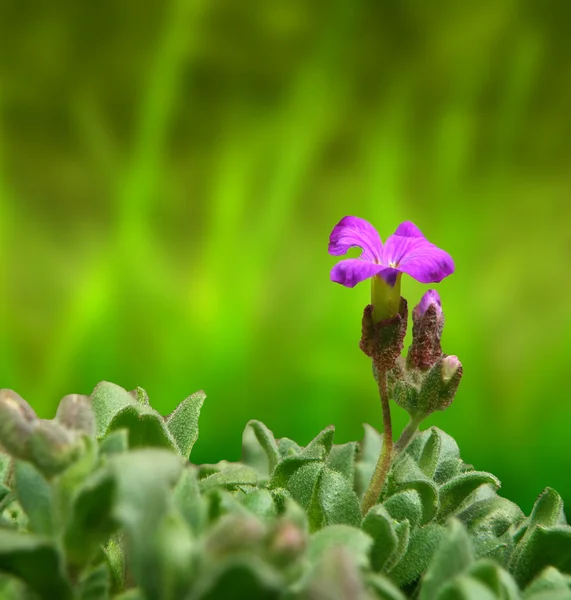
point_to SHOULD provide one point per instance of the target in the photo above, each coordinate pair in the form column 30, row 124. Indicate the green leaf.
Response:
column 342, row 459
column 421, row 547
column 259, row 448
column 406, row 475
column 115, row 408
column 115, row 442
column 287, row 448
column 337, row 500
column 383, row 588
column 324, row 439
column 379, row 525
column 438, row 453
column 465, row 587
column 35, row 561
column 233, row 476
column 35, row 496
column 539, row 548
column 496, row 579
column 132, row 594
column 302, row 486
column 183, row 423
column 549, row 580
column 490, row 517
column 96, row 584
column 430, row 455
column 455, row 491
column 115, row 558
column 403, row 539
column 405, row 505
column 4, row 466
column 92, row 522
column 261, row 503
column 75, row 412
column 189, row 501
column 287, row 468
column 370, row 450
column 336, row 576
column 248, row 577
column 354, row 540
column 452, row 557
column 547, row 509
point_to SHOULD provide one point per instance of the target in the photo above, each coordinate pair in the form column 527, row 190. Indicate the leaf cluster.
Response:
column 102, row 503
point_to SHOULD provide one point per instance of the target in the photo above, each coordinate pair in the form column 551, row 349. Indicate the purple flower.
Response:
column 406, row 251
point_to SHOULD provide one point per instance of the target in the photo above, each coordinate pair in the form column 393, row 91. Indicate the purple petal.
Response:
column 353, row 231
column 408, row 229
column 351, row 271
column 417, row 257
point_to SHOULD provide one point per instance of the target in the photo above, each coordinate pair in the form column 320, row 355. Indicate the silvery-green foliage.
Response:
column 102, row 503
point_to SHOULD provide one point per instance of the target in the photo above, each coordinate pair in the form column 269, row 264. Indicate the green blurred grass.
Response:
column 169, row 179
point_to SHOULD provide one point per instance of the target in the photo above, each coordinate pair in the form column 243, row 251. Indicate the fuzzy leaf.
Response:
column 115, row 559
column 4, row 466
column 403, row 539
column 496, row 579
column 421, row 547
column 490, row 517
column 324, row 439
column 336, row 577
column 35, row 561
column 405, row 505
column 455, row 491
column 465, row 587
column 247, row 577
column 383, row 588
column 96, row 584
column 183, row 423
column 289, row 465
column 379, row 525
column 549, row 580
column 342, row 459
column 539, row 548
column 452, row 557
column 351, row 538
column 547, row 509
column 367, row 459
column 259, row 448
column 261, row 503
column 337, row 500
column 288, row 448
column 115, row 442
column 430, row 455
column 406, row 475
column 35, row 496
column 115, row 408
column 188, row 500
column 438, row 453
column 232, row 476
column 91, row 523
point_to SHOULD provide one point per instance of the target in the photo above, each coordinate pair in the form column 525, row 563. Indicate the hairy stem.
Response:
column 384, row 463
column 407, row 434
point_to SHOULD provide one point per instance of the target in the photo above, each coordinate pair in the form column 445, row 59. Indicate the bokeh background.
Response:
column 169, row 176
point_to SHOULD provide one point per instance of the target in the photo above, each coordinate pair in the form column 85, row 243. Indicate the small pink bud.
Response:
column 450, row 366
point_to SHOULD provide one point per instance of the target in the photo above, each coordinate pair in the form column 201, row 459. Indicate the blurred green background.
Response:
column 169, row 176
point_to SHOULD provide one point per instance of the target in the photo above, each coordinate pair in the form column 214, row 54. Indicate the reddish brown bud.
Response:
column 383, row 341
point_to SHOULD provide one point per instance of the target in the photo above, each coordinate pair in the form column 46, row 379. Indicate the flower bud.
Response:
column 428, row 322
column 450, row 366
column 383, row 341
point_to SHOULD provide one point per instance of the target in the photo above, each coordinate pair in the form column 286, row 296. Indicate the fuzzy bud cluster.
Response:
column 428, row 380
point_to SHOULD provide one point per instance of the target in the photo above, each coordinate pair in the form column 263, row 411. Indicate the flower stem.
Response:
column 407, row 434
column 384, row 463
